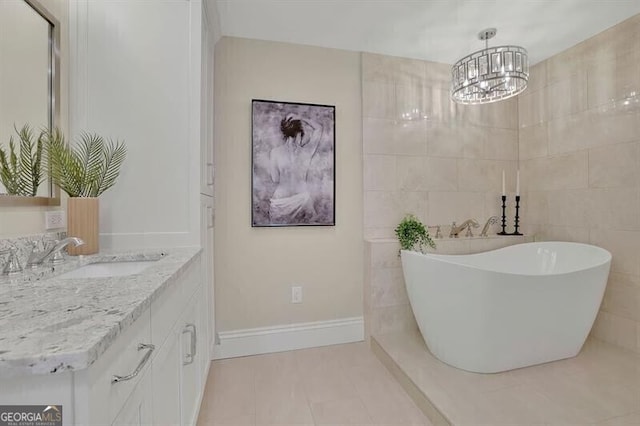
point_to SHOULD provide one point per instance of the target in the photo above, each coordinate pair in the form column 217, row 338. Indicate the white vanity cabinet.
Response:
column 170, row 387
column 153, row 372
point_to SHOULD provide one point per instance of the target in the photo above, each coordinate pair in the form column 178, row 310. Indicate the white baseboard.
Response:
column 280, row 338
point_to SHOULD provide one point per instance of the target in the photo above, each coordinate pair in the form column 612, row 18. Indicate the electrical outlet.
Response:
column 296, row 294
column 54, row 219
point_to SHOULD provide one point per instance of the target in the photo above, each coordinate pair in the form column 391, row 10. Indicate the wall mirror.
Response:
column 29, row 82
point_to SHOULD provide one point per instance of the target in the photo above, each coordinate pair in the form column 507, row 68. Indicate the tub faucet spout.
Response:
column 456, row 229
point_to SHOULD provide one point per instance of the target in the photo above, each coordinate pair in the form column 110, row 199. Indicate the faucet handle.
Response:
column 438, row 232
column 12, row 266
column 57, row 256
column 469, row 233
column 37, row 248
column 49, row 239
column 37, row 245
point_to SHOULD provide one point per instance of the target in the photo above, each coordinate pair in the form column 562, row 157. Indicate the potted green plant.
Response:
column 413, row 235
column 84, row 171
column 21, row 171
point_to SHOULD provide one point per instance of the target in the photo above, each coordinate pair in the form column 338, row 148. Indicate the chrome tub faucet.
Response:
column 455, row 229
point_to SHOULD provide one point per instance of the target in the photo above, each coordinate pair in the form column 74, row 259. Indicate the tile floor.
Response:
column 601, row 386
column 342, row 384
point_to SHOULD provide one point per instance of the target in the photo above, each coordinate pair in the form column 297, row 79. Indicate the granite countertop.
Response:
column 50, row 325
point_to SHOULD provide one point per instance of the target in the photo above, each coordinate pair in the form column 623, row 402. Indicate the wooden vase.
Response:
column 82, row 222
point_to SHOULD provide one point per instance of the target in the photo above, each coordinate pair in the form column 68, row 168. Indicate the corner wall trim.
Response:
column 263, row 340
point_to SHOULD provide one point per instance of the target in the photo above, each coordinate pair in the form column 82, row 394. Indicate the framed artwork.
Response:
column 293, row 164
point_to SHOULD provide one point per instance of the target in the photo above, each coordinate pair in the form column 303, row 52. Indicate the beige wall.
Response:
column 443, row 168
column 256, row 267
column 580, row 162
column 16, row 221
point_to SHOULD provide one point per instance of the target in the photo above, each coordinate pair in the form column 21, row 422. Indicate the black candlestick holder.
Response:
column 504, row 216
column 517, row 216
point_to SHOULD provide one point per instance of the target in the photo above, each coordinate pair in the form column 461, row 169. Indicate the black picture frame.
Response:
column 293, row 158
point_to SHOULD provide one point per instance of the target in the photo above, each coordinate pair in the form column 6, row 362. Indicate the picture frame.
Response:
column 292, row 164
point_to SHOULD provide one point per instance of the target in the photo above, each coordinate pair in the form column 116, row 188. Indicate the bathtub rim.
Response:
column 443, row 258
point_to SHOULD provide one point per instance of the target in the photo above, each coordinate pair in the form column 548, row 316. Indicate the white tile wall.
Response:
column 580, row 162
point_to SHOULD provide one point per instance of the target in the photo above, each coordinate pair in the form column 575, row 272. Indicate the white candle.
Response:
column 518, row 183
column 503, row 187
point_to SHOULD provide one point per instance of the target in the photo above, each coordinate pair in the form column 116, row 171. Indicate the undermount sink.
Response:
column 108, row 269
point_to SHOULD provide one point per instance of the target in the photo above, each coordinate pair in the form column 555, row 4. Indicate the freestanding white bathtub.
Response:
column 513, row 307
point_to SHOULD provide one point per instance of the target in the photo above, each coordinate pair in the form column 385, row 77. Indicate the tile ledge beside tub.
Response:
column 51, row 325
column 464, row 245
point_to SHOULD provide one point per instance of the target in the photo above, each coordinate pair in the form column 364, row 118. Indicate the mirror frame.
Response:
column 53, row 106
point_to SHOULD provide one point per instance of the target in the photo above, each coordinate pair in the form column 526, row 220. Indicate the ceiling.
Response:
column 435, row 30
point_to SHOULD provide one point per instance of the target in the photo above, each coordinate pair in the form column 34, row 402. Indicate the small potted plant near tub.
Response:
column 413, row 235
column 84, row 171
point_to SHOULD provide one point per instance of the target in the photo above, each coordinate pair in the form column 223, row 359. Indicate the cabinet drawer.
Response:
column 125, row 358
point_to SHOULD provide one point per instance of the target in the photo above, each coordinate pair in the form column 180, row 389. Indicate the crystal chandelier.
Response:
column 491, row 74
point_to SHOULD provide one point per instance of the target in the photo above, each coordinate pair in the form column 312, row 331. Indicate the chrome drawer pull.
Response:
column 191, row 329
column 140, row 366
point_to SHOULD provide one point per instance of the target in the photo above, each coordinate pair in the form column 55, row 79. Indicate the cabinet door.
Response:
column 203, row 343
column 166, row 381
column 206, row 110
column 190, row 359
column 137, row 409
column 206, row 242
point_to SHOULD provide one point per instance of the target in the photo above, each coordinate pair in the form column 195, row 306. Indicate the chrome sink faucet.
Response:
column 53, row 253
column 456, row 229
column 491, row 221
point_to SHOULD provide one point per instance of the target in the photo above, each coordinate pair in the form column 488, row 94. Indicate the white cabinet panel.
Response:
column 207, row 225
column 136, row 76
column 190, row 358
column 206, row 122
column 166, row 382
column 204, row 341
column 138, row 410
